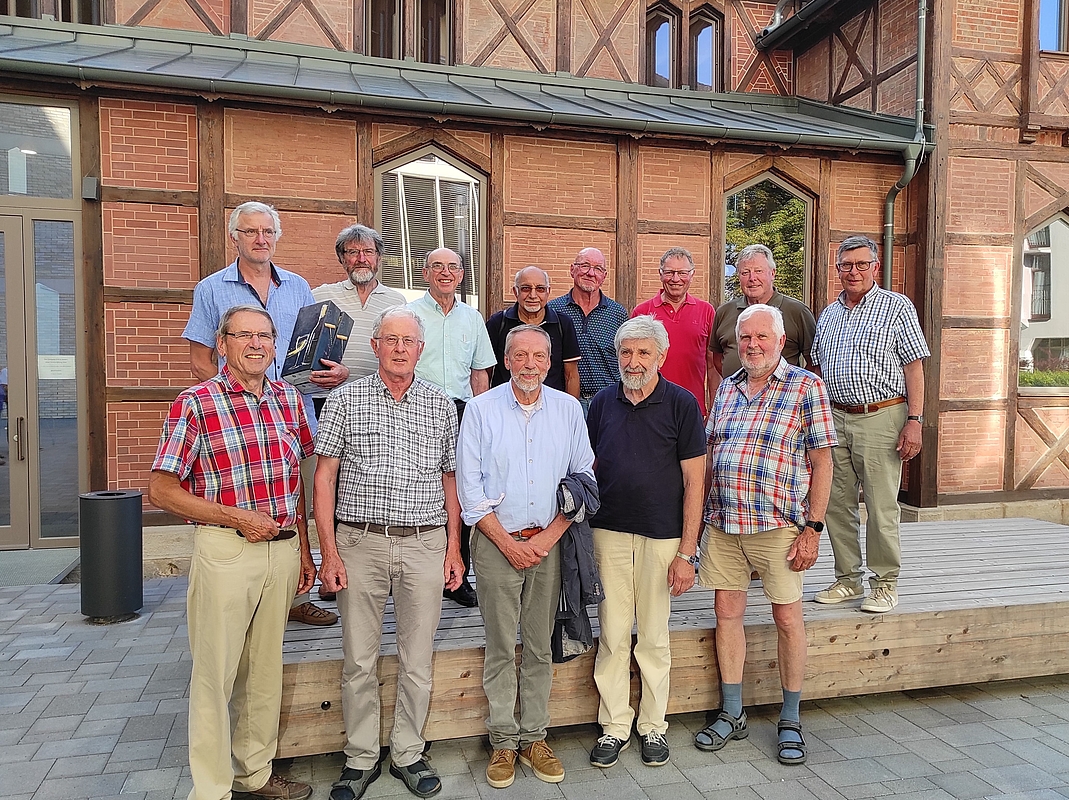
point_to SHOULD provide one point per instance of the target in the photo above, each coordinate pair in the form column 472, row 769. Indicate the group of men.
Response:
column 445, row 444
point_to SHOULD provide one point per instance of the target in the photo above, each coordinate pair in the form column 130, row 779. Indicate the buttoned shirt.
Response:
column 230, row 447
column 596, row 333
column 393, row 453
column 760, row 473
column 511, row 464
column 213, row 296
column 798, row 327
column 861, row 350
column 359, row 357
column 563, row 345
column 455, row 344
column 689, row 330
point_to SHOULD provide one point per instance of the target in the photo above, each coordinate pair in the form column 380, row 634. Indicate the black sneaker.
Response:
column 607, row 751
column 654, row 749
column 463, row 595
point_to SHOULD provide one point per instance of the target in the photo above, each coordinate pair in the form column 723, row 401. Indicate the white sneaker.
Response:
column 882, row 600
column 838, row 592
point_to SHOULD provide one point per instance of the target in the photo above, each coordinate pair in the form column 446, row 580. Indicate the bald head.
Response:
column 588, row 270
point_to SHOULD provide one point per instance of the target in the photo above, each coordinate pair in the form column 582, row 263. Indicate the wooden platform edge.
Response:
column 847, row 656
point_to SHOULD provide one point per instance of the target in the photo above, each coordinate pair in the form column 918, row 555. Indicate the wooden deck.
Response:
column 979, row 600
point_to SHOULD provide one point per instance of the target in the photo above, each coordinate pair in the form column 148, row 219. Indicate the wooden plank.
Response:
column 998, row 323
column 141, row 394
column 673, row 228
column 495, row 270
column 92, row 230
column 717, row 231
column 821, row 268
column 365, row 175
column 137, row 294
column 430, row 135
column 532, row 220
column 1014, row 343
column 564, row 35
column 984, row 239
column 211, row 213
column 163, row 197
column 627, row 222
column 344, row 207
column 991, row 404
column 1041, row 401
column 239, row 17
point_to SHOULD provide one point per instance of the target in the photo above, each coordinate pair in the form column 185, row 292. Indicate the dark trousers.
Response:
column 465, row 530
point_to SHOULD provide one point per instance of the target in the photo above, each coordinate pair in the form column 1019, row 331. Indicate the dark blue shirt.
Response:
column 564, row 346
column 596, row 331
column 637, row 452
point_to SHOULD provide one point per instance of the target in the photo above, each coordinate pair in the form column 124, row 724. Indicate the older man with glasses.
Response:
column 689, row 321
column 531, row 288
column 456, row 356
column 869, row 348
column 596, row 317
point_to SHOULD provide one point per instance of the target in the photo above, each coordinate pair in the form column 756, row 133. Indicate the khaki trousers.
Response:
column 411, row 568
column 866, row 458
column 634, row 572
column 237, row 605
column 510, row 597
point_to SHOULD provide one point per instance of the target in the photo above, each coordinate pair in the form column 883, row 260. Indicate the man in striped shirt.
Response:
column 229, row 460
column 870, row 349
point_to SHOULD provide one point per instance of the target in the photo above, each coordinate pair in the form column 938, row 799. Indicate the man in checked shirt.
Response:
column 869, row 348
column 229, row 460
column 769, row 471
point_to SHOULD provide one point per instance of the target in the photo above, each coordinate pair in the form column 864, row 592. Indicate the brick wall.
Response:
column 482, row 24
column 988, row 25
column 651, row 247
column 148, row 145
column 974, row 364
column 673, row 184
column 553, row 250
column 176, row 14
column 144, row 344
column 133, row 436
column 981, row 195
column 971, row 451
column 977, row 280
column 553, row 176
column 150, row 245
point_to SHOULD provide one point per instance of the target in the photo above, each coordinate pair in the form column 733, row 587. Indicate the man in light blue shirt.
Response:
column 456, row 354
column 517, row 442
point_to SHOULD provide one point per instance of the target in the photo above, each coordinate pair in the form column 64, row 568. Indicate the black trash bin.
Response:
column 110, row 530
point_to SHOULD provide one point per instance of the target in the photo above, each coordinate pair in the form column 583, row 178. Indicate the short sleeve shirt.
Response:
column 798, row 326
column 637, row 451
column 454, row 345
column 359, row 357
column 689, row 330
column 563, row 344
column 596, row 333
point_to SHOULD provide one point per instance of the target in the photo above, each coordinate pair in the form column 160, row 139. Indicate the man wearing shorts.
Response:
column 770, row 438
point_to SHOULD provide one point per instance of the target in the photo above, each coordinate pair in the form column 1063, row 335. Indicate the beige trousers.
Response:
column 634, row 572
column 237, row 604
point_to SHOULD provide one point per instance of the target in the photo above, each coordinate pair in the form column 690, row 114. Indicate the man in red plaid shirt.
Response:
column 229, row 461
column 769, row 471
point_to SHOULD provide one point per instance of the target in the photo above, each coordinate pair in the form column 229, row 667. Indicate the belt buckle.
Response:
column 386, row 530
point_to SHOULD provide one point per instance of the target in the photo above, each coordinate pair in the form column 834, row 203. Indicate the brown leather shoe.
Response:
column 311, row 614
column 279, row 788
column 501, row 771
column 540, row 758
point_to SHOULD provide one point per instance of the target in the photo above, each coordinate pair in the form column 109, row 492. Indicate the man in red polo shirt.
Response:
column 689, row 322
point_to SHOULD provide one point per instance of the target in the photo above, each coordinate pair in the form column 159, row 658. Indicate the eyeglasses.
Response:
column 248, row 336
column 368, row 254
column 589, row 268
column 675, row 273
column 860, row 266
column 532, row 289
column 252, row 233
column 393, row 341
column 438, row 266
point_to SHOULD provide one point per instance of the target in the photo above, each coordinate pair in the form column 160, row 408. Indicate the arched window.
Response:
column 1044, row 347
column 662, row 47
column 384, row 28
column 435, row 32
column 768, row 211
column 706, row 50
column 428, row 199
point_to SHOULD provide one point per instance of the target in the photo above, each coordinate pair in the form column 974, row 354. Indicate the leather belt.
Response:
column 526, row 533
column 392, row 530
column 281, row 536
column 868, row 408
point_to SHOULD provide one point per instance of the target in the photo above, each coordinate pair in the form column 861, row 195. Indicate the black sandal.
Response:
column 710, row 740
column 354, row 782
column 419, row 777
column 798, row 746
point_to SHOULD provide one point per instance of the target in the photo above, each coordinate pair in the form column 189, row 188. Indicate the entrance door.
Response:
column 40, row 449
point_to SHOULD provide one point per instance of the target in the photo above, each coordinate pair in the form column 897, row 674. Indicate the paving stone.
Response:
column 1037, row 753
column 964, row 785
column 68, row 788
column 908, row 765
column 157, row 726
column 77, row 766
column 866, row 746
column 67, row 705
column 725, row 776
column 152, row 780
column 847, row 773
column 969, row 734
column 1018, row 777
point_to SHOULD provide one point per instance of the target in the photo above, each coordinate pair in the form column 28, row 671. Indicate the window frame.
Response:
column 714, row 19
column 446, row 38
column 674, row 17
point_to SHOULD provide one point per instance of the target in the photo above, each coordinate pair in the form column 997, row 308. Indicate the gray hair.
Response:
column 677, row 252
column 855, row 243
column 642, row 327
column 751, row 251
column 761, row 308
column 254, row 207
column 527, row 329
column 358, row 233
column 516, row 277
column 402, row 312
column 224, row 321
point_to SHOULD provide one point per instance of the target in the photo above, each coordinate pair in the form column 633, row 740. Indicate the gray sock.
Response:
column 731, row 698
column 789, row 713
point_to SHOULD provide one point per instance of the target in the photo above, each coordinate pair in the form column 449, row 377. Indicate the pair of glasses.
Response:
column 532, row 289
column 252, row 233
column 437, row 266
column 860, row 266
column 589, row 268
column 675, row 273
column 248, row 336
column 393, row 341
column 368, row 254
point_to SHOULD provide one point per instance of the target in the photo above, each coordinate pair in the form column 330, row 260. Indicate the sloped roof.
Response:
column 241, row 67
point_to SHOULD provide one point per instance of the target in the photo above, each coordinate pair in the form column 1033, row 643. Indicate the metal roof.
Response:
column 237, row 66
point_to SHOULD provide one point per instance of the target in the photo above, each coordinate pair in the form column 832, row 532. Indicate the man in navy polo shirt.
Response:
column 649, row 449
column 531, row 288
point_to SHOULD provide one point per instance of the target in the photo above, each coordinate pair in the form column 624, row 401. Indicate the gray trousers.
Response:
column 508, row 598
column 412, row 568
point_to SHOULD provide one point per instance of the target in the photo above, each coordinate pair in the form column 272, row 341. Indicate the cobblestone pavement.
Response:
column 90, row 712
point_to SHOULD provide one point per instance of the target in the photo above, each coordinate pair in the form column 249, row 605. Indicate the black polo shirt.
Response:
column 637, row 450
column 564, row 344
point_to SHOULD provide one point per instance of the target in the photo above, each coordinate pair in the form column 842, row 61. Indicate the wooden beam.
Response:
column 564, row 35
column 141, row 394
column 1009, row 473
column 821, row 267
column 239, row 16
column 1041, row 401
column 627, row 222
column 137, row 294
column 530, row 220
column 163, row 197
column 211, row 212
column 673, row 228
column 344, row 207
column 495, row 270
column 998, row 323
column 96, row 415
column 717, row 232
column 430, row 135
column 365, row 175
column 1029, row 71
column 979, row 239
column 738, row 177
column 984, row 404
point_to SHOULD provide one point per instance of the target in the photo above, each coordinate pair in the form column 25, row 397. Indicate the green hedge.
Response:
column 1044, row 377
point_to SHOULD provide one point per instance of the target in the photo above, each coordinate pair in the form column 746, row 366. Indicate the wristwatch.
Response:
column 692, row 560
column 918, row 417
column 817, row 526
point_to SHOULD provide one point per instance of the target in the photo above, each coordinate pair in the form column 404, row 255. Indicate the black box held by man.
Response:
column 321, row 331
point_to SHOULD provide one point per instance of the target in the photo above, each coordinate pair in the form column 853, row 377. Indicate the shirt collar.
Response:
column 876, row 288
column 779, row 373
column 659, row 300
column 514, row 403
column 381, row 386
column 234, row 275
column 603, row 300
column 656, row 396
column 776, row 301
column 230, row 382
column 432, row 303
column 513, row 312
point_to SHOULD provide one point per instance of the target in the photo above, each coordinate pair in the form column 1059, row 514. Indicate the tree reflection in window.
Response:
column 1044, row 347
column 767, row 213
